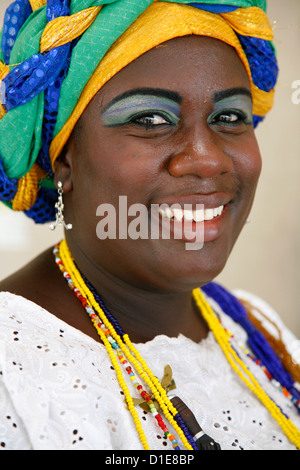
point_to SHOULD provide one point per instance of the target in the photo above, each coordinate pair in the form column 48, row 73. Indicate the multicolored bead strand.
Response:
column 276, row 384
column 243, row 372
column 256, row 340
column 65, row 264
column 119, row 344
column 103, row 336
column 120, row 331
column 76, row 275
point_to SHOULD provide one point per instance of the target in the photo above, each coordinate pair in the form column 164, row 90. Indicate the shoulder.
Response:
column 262, row 310
column 17, row 315
column 29, row 279
column 41, row 283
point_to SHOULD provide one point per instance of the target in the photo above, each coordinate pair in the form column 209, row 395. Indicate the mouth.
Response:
column 191, row 215
column 193, row 222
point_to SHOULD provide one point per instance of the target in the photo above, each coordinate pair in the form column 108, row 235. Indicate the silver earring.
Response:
column 60, row 220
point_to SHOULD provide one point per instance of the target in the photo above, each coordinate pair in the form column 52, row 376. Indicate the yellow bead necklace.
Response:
column 133, row 356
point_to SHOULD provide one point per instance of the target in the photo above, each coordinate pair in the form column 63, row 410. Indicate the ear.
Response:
column 63, row 166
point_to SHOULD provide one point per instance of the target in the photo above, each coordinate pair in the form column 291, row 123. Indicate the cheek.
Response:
column 108, row 170
column 248, row 164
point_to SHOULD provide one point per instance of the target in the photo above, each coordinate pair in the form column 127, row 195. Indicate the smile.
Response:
column 197, row 215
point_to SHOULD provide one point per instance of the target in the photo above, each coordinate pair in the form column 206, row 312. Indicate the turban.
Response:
column 56, row 55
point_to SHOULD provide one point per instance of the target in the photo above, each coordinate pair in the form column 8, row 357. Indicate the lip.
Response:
column 210, row 201
column 192, row 231
column 206, row 231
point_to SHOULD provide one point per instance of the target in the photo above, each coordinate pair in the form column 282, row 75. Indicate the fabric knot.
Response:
column 65, row 29
column 27, row 189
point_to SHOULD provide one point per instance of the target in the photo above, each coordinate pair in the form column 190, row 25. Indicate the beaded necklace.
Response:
column 258, row 343
column 119, row 347
column 282, row 389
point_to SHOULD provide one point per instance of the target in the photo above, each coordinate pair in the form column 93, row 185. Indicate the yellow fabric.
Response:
column 160, row 23
column 28, row 189
column 67, row 28
column 262, row 100
column 4, row 70
column 35, row 4
column 2, row 111
column 250, row 22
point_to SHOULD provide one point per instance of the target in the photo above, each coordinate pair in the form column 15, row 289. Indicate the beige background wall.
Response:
column 266, row 259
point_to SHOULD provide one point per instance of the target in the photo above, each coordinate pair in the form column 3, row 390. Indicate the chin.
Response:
column 193, row 269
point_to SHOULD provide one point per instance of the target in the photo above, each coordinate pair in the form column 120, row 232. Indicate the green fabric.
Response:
column 20, row 129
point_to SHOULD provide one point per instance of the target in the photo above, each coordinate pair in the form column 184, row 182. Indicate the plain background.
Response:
column 266, row 258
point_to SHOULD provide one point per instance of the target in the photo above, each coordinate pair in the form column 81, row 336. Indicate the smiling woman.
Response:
column 193, row 154
column 154, row 102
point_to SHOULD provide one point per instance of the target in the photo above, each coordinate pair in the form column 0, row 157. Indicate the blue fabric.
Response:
column 264, row 72
column 15, row 16
column 42, row 72
column 34, row 75
column 44, row 208
column 8, row 187
column 51, row 97
column 214, row 8
column 256, row 340
column 257, row 120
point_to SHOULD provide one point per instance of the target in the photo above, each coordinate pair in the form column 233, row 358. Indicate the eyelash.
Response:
column 149, row 115
column 241, row 118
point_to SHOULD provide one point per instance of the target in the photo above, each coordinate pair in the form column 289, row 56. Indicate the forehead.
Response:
column 192, row 66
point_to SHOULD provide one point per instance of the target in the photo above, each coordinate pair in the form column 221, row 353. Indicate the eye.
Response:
column 230, row 118
column 150, row 120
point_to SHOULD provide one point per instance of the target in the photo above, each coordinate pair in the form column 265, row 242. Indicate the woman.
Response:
column 154, row 102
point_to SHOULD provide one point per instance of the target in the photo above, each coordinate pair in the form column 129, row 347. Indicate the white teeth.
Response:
column 208, row 214
column 169, row 213
column 218, row 211
column 198, row 215
column 178, row 214
column 188, row 214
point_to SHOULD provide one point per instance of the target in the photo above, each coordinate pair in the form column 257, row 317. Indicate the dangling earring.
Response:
column 60, row 220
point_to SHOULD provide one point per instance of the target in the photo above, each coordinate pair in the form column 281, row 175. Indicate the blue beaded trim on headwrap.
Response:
column 15, row 16
column 8, row 187
column 214, row 8
column 44, row 208
column 264, row 76
column 33, row 76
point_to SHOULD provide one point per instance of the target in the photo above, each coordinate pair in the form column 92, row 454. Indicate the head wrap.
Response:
column 56, row 55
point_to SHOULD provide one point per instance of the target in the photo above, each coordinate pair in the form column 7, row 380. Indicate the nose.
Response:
column 202, row 154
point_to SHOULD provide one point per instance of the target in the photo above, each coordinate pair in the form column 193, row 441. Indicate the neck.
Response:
column 144, row 314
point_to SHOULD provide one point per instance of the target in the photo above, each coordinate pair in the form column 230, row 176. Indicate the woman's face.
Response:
column 173, row 127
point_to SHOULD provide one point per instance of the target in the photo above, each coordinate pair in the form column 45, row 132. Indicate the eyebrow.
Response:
column 172, row 95
column 221, row 95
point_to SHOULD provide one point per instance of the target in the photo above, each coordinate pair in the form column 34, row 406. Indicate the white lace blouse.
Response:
column 58, row 389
